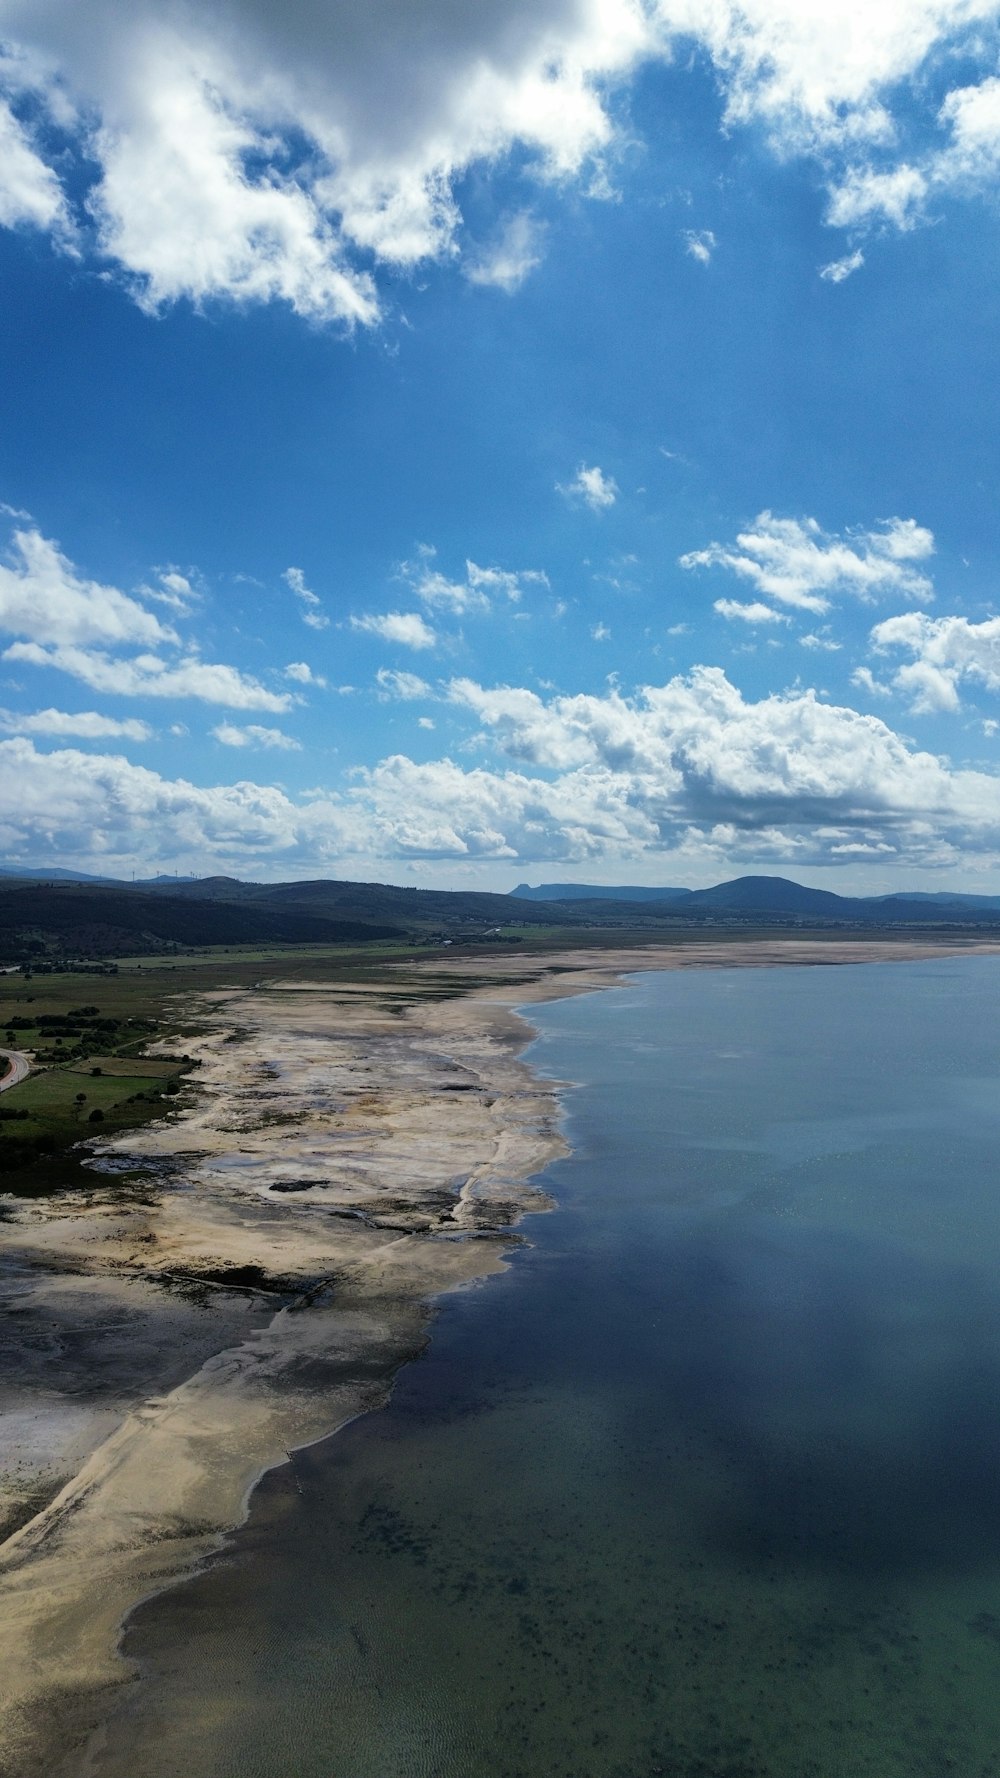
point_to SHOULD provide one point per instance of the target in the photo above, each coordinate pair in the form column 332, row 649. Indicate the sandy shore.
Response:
column 255, row 1279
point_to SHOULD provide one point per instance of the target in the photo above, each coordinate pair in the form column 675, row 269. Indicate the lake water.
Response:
column 708, row 1485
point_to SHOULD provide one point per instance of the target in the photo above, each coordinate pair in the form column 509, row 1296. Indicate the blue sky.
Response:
column 464, row 445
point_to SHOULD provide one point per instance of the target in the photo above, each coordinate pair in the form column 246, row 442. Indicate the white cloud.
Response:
column 968, row 162
column 100, row 806
column 973, row 155
column 87, row 725
column 255, row 736
column 864, row 678
column 694, row 754
column 945, row 651
column 251, row 152
column 591, row 485
column 797, row 563
column 30, row 193
column 865, row 195
column 690, row 767
column 601, row 633
column 405, row 627
column 42, row 597
column 508, row 259
column 303, row 674
column 511, row 582
column 474, row 592
column 147, row 676
column 840, row 269
column 173, row 589
column 425, row 722
column 820, row 642
column 754, row 613
column 405, row 686
column 311, row 605
column 700, row 243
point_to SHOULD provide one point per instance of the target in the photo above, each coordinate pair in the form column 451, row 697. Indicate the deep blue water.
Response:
column 708, row 1484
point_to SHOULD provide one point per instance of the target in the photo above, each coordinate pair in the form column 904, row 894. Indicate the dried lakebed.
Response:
column 247, row 1278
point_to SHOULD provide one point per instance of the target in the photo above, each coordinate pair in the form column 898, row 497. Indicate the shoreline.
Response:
column 375, row 1149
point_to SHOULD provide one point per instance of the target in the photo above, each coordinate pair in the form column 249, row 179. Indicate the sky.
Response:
column 539, row 440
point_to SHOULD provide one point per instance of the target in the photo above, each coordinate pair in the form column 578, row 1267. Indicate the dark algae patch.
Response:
column 705, row 1485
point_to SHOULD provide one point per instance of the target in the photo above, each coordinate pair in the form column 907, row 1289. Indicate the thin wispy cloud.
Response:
column 837, row 271
column 507, row 260
column 311, row 605
column 700, row 244
column 751, row 612
column 253, row 735
column 405, row 686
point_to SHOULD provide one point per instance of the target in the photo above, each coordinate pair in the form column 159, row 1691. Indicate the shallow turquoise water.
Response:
column 708, row 1484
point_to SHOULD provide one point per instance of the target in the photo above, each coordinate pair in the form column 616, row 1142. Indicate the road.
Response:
column 18, row 1070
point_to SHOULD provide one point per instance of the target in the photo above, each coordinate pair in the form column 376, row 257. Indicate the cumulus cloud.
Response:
column 43, row 597
column 819, row 78
column 86, row 805
column 147, row 676
column 945, row 651
column 695, row 755
column 310, row 604
column 85, row 725
column 253, row 153
column 514, row 252
column 75, row 625
column 799, row 564
column 303, row 674
column 597, row 490
column 966, row 163
column 973, row 115
column 253, row 735
column 405, row 627
column 690, row 767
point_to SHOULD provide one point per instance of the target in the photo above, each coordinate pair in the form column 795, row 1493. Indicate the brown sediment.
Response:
column 256, row 1280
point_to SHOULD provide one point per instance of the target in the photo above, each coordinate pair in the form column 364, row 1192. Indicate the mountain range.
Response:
column 62, row 914
column 759, row 894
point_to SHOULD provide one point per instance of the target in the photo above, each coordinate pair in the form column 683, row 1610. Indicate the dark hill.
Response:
column 770, row 895
column 65, row 920
column 417, row 909
column 596, row 892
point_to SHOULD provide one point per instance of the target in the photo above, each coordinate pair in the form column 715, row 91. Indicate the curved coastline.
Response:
column 357, row 1173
